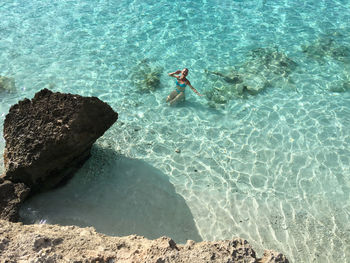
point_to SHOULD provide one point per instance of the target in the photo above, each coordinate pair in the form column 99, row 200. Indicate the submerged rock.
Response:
column 264, row 67
column 327, row 46
column 267, row 61
column 254, row 84
column 146, row 77
column 7, row 84
column 220, row 95
column 226, row 86
column 49, row 137
column 53, row 243
column 340, row 86
column 232, row 77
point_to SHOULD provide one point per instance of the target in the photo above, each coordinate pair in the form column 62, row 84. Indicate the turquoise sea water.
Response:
column 272, row 168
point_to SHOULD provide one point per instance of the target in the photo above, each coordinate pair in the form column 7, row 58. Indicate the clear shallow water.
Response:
column 272, row 168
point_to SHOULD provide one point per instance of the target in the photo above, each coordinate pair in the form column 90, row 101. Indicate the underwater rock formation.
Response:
column 146, row 77
column 7, row 84
column 267, row 61
column 327, row 46
column 264, row 67
column 53, row 243
column 340, row 86
column 49, row 137
column 225, row 89
column 220, row 95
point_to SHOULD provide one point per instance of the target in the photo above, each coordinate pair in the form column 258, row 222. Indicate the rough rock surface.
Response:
column 271, row 256
column 11, row 196
column 52, row 243
column 49, row 137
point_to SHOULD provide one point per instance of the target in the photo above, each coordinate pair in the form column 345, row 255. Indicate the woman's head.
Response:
column 184, row 72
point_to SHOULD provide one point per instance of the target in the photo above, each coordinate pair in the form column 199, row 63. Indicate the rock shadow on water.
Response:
column 117, row 196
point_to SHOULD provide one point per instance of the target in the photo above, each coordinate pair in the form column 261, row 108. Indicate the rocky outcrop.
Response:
column 52, row 243
column 11, row 196
column 49, row 137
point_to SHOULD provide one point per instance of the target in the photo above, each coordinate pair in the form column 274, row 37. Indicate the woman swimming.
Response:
column 181, row 82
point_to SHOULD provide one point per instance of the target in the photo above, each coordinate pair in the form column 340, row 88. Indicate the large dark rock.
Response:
column 49, row 137
column 11, row 196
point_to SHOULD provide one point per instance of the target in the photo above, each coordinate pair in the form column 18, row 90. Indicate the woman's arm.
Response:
column 194, row 90
column 174, row 73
